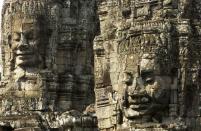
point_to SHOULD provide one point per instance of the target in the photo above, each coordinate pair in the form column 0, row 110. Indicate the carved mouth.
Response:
column 24, row 53
column 139, row 107
column 138, row 100
column 137, row 110
column 135, row 113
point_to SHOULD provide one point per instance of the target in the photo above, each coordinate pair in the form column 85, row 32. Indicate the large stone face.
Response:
column 147, row 65
column 47, row 52
column 145, row 55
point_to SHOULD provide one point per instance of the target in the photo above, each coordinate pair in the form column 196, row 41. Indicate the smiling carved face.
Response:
column 26, row 43
column 147, row 91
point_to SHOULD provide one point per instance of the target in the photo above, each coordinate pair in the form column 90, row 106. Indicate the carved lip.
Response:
column 133, row 100
column 139, row 102
column 24, row 53
column 135, row 113
column 139, row 107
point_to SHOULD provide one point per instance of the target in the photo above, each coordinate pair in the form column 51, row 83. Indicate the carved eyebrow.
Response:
column 18, row 33
column 146, row 72
column 28, row 31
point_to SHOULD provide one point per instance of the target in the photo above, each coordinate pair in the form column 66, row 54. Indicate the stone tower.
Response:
column 147, row 65
column 141, row 57
column 47, row 54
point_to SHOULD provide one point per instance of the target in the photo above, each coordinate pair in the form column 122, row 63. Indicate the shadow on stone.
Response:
column 5, row 128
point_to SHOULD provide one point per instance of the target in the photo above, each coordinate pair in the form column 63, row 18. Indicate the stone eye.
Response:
column 147, row 77
column 149, row 80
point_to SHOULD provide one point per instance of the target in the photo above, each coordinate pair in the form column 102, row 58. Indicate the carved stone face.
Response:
column 26, row 43
column 147, row 90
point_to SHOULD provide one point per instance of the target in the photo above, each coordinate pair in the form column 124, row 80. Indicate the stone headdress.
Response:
column 148, row 43
column 25, row 11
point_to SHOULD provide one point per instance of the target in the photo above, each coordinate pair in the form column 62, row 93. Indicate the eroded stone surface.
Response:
column 47, row 52
column 147, row 65
column 145, row 57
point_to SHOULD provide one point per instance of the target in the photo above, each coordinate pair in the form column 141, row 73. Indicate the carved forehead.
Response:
column 143, row 43
column 132, row 62
column 147, row 51
column 139, row 45
column 21, row 24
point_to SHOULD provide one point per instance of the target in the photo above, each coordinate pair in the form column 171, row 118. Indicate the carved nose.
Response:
column 138, row 83
column 137, row 87
column 23, row 42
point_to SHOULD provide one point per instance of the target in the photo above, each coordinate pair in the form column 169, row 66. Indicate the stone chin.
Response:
column 137, row 111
